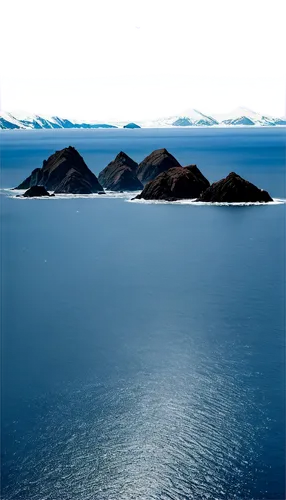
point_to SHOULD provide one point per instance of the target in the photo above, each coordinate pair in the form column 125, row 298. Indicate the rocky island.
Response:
column 36, row 191
column 234, row 189
column 157, row 162
column 64, row 172
column 131, row 125
column 120, row 174
column 177, row 183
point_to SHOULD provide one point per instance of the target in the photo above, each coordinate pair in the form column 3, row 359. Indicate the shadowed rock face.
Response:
column 73, row 183
column 234, row 189
column 175, row 184
column 120, row 174
column 157, row 162
column 61, row 168
column 36, row 191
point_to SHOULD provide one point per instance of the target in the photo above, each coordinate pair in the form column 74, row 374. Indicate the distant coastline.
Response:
column 192, row 118
column 170, row 127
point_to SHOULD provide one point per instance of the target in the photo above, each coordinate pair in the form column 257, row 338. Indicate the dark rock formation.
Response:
column 64, row 172
column 234, row 189
column 36, row 191
column 131, row 125
column 157, row 162
column 175, row 184
column 120, row 174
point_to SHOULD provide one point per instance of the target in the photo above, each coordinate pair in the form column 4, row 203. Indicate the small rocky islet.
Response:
column 131, row 125
column 36, row 191
column 160, row 177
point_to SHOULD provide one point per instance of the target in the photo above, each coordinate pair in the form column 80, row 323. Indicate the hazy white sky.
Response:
column 140, row 98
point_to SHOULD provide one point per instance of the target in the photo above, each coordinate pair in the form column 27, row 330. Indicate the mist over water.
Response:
column 143, row 344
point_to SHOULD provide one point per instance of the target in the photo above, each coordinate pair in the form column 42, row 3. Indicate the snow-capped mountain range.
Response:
column 20, row 120
column 188, row 118
column 239, row 116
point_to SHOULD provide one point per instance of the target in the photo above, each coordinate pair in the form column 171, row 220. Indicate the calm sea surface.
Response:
column 143, row 345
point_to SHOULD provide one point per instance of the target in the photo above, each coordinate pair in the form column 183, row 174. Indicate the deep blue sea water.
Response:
column 143, row 345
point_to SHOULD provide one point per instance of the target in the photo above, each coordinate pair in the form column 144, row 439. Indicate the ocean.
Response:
column 143, row 344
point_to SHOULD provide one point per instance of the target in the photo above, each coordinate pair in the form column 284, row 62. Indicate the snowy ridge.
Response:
column 239, row 116
column 21, row 120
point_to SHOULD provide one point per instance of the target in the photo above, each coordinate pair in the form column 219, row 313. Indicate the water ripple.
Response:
column 162, row 436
